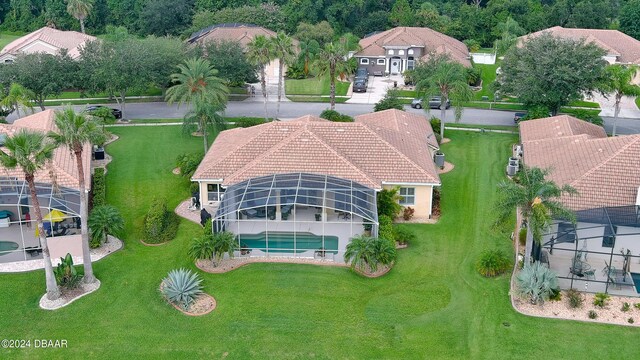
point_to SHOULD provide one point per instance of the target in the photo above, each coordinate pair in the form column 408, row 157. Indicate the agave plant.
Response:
column 181, row 287
column 536, row 282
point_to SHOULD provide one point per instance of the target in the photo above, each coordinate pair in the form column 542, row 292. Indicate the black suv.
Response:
column 362, row 73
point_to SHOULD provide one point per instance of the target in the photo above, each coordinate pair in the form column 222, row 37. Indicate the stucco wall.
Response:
column 423, row 194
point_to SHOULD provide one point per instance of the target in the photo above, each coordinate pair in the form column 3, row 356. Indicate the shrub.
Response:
column 536, row 282
column 625, row 307
column 194, row 187
column 335, row 116
column 385, row 231
column 245, row 122
column 98, row 189
column 637, row 306
column 575, row 299
column 492, row 263
column 435, row 123
column 473, row 75
column 556, row 295
column 407, row 213
column 188, row 163
column 522, row 236
column 160, row 225
column 536, row 112
column 588, row 116
column 104, row 220
column 437, row 195
column 404, row 235
column 66, row 274
column 630, row 320
column 366, row 253
column 388, row 202
column 390, row 100
column 592, row 314
column 181, row 287
column 473, row 45
column 601, row 300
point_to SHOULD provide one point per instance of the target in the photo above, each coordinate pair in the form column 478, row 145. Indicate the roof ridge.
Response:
column 605, row 161
column 402, row 154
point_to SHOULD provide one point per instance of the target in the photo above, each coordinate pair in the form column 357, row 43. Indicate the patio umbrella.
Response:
column 54, row 216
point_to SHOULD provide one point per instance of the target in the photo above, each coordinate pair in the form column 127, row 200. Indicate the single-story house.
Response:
column 620, row 48
column 46, row 40
column 243, row 34
column 58, row 194
column 313, row 180
column 399, row 49
column 601, row 252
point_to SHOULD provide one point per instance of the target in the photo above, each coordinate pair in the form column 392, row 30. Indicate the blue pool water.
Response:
column 636, row 281
column 6, row 247
column 284, row 242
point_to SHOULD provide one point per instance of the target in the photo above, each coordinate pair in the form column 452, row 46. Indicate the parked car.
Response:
column 519, row 116
column 116, row 112
column 362, row 73
column 360, row 85
column 434, row 103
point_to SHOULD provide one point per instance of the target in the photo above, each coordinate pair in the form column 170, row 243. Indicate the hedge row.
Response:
column 98, row 188
column 160, row 225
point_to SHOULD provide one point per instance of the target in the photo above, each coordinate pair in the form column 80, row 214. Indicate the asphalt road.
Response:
column 290, row 110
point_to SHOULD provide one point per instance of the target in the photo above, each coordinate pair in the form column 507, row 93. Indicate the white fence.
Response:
column 483, row 58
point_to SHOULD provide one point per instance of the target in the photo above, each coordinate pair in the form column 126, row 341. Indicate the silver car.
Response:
column 434, row 103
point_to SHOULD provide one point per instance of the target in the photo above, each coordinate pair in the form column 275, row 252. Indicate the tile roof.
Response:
column 604, row 170
column 430, row 40
column 365, row 151
column 614, row 42
column 64, row 162
column 241, row 33
column 72, row 41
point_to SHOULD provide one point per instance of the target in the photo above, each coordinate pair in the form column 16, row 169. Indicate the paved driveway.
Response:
column 376, row 90
column 628, row 108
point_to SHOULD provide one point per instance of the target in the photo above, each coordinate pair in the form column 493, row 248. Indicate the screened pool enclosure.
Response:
column 600, row 253
column 298, row 214
column 60, row 209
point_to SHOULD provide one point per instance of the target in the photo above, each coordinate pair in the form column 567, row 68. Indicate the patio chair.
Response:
column 591, row 273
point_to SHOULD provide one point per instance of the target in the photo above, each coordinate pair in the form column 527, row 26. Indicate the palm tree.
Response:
column 284, row 50
column 538, row 201
column 203, row 116
column 308, row 50
column 260, row 52
column 224, row 243
column 618, row 81
column 366, row 253
column 75, row 132
column 202, row 248
column 440, row 75
column 105, row 220
column 29, row 151
column 197, row 84
column 332, row 60
column 80, row 9
column 17, row 97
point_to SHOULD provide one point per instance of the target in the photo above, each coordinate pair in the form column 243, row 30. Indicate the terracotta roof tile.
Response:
column 241, row 33
column 430, row 40
column 604, row 170
column 72, row 41
column 614, row 42
column 363, row 151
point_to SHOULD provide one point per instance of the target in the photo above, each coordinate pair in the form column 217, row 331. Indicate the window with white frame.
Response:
column 410, row 52
column 407, row 196
column 411, row 63
column 381, row 61
column 400, row 52
column 364, row 61
column 215, row 192
column 391, row 52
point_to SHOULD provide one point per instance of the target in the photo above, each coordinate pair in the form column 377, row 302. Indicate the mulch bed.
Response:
column 68, row 296
column 203, row 305
column 380, row 272
column 447, row 167
column 176, row 171
column 227, row 265
column 149, row 244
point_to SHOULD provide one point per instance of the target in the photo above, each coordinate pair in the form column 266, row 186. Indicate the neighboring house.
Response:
column 399, row 49
column 315, row 179
column 46, row 40
column 605, row 171
column 58, row 195
column 243, row 34
column 620, row 48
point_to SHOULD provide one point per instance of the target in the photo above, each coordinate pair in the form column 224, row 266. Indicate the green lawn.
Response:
column 431, row 305
column 319, row 99
column 314, row 86
column 5, row 39
column 638, row 102
column 488, row 75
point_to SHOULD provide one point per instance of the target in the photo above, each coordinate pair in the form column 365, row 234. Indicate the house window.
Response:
column 400, row 52
column 566, row 233
column 411, row 63
column 214, row 192
column 364, row 61
column 407, row 196
column 381, row 61
column 8, row 61
column 410, row 52
column 391, row 52
column 609, row 238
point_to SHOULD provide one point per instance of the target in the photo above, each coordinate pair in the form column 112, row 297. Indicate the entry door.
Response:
column 395, row 66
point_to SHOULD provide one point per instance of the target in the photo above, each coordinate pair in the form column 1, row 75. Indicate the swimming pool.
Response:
column 6, row 247
column 636, row 281
column 287, row 241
